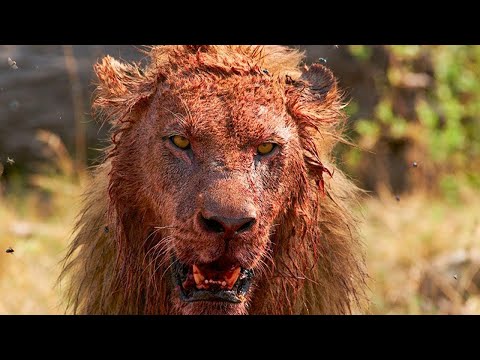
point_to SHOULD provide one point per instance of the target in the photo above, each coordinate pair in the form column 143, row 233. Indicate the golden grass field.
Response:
column 405, row 242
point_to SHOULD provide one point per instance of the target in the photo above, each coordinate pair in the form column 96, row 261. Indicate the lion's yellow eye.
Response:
column 180, row 142
column 265, row 148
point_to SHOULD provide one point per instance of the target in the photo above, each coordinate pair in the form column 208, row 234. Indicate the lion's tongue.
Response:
column 205, row 277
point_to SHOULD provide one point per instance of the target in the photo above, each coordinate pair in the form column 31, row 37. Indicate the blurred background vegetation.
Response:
column 414, row 112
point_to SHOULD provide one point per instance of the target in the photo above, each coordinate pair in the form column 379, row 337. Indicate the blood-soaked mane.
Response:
column 314, row 262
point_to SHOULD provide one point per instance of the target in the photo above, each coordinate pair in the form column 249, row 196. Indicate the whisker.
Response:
column 165, row 227
column 162, row 242
column 178, row 116
column 159, row 242
column 187, row 110
column 164, row 250
column 173, row 262
column 149, row 236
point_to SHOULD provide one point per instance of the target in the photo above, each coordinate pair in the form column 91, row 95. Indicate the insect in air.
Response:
column 10, row 161
column 455, row 276
column 12, row 64
column 397, row 197
column 9, row 251
column 322, row 60
column 414, row 164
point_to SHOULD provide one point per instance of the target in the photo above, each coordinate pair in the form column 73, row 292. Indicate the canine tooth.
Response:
column 197, row 275
column 232, row 279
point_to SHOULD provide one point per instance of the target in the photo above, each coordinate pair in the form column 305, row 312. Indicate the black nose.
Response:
column 229, row 226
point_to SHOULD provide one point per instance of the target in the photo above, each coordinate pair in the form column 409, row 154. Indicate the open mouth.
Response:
column 220, row 280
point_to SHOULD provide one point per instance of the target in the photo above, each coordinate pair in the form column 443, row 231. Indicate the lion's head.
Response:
column 218, row 194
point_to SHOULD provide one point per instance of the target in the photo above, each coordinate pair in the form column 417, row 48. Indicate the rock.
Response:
column 37, row 95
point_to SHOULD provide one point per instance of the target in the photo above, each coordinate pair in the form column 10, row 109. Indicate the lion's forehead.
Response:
column 244, row 125
column 247, row 111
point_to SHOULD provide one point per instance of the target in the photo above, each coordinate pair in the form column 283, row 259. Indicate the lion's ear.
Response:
column 120, row 86
column 315, row 103
column 314, row 97
column 113, row 76
column 322, row 81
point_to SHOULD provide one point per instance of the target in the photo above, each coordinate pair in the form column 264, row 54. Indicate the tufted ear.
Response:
column 314, row 103
column 313, row 99
column 120, row 87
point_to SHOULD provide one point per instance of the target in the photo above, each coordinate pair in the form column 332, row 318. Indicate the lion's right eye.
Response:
column 180, row 142
column 266, row 148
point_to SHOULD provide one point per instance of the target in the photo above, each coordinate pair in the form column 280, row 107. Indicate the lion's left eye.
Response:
column 180, row 142
column 266, row 148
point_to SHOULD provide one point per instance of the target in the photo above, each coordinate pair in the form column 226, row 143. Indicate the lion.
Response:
column 218, row 193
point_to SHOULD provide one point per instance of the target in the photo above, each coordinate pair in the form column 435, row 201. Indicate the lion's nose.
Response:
column 229, row 226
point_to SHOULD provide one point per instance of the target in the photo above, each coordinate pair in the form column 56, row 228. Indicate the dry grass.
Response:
column 28, row 276
column 412, row 244
column 37, row 225
column 403, row 238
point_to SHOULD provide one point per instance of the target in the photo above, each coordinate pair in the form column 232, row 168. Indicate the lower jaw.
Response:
column 209, row 308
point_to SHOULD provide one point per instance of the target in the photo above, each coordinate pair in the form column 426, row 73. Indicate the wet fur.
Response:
column 314, row 263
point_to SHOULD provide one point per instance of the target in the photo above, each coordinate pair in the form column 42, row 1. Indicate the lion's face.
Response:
column 218, row 164
column 213, row 189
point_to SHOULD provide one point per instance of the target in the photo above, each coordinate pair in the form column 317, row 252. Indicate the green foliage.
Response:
column 362, row 52
column 429, row 97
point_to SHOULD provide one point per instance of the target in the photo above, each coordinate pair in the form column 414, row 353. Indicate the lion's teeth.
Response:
column 197, row 275
column 232, row 279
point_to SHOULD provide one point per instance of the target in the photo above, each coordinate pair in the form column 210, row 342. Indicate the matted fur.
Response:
column 316, row 263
